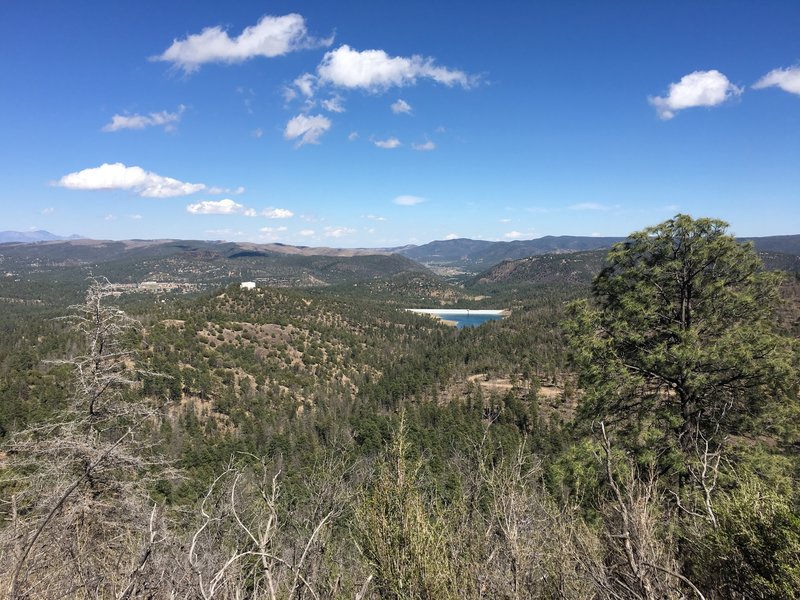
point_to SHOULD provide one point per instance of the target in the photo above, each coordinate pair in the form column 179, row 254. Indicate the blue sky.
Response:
column 384, row 123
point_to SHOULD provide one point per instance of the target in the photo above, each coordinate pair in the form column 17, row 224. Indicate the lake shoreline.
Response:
column 502, row 312
column 462, row 317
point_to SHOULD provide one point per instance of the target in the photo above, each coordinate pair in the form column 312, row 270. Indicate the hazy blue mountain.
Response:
column 787, row 244
column 40, row 235
column 481, row 254
column 581, row 267
column 477, row 255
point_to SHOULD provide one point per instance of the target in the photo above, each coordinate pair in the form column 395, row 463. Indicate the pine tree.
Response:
column 681, row 340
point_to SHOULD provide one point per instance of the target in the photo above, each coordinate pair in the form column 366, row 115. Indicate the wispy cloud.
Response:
column 375, row 70
column 701, row 88
column 219, row 207
column 221, row 190
column 273, row 229
column 248, row 94
column 401, row 107
column 337, row 232
column 514, row 235
column 388, row 144
column 289, row 94
column 307, row 232
column 47, row 211
column 117, row 176
column 424, row 147
column 352, row 136
column 305, row 83
column 307, row 129
column 333, row 104
column 155, row 119
column 591, row 206
column 375, row 218
column 786, row 79
column 452, row 236
column 408, row 200
column 271, row 36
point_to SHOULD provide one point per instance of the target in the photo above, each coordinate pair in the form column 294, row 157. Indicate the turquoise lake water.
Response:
column 462, row 321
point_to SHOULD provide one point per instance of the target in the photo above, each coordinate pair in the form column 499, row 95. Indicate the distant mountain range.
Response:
column 472, row 256
column 197, row 261
column 29, row 237
column 477, row 255
column 581, row 268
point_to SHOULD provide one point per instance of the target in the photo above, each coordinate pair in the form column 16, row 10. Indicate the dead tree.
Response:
column 81, row 507
column 247, row 544
column 641, row 561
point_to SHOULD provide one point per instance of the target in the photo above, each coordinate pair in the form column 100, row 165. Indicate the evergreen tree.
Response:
column 681, row 337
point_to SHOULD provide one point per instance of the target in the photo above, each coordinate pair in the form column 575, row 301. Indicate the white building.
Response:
column 248, row 285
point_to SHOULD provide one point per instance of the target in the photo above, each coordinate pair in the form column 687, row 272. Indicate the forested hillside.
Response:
column 629, row 431
column 479, row 255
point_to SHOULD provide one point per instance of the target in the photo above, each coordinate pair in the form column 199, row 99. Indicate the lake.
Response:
column 461, row 318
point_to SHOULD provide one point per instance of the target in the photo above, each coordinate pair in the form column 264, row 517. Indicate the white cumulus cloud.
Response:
column 277, row 213
column 271, row 36
column 388, row 144
column 154, row 119
column 218, row 207
column 376, row 70
column 514, row 235
column 452, row 236
column 701, row 88
column 307, row 129
column 117, row 176
column 427, row 146
column 408, row 200
column 401, row 107
column 786, row 79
